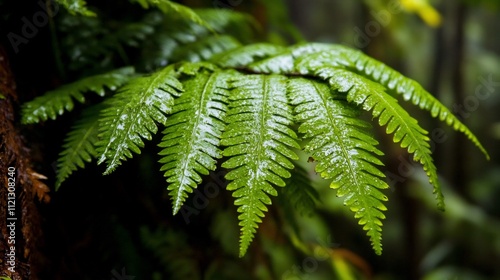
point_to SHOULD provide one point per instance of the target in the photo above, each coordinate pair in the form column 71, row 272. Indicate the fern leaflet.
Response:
column 175, row 38
column 258, row 138
column 247, row 54
column 343, row 150
column 356, row 61
column 205, row 48
column 79, row 146
column 285, row 61
column 131, row 114
column 372, row 97
column 57, row 101
column 192, row 135
column 169, row 7
column 410, row 90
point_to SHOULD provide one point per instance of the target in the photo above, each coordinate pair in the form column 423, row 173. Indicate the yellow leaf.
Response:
column 425, row 10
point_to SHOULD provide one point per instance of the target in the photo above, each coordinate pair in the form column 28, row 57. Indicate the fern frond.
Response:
column 258, row 138
column 174, row 35
column 395, row 82
column 79, row 145
column 57, row 101
column 133, row 34
column 245, row 55
column 75, row 7
column 411, row 91
column 205, row 48
column 193, row 68
column 132, row 113
column 372, row 97
column 192, row 135
column 285, row 62
column 171, row 8
column 237, row 24
column 345, row 152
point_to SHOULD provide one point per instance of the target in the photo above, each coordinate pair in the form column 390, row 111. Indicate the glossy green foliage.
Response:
column 372, row 97
column 79, row 145
column 172, row 8
column 132, row 115
column 192, row 135
column 258, row 140
column 393, row 81
column 410, row 90
column 206, row 47
column 245, row 55
column 343, row 149
column 56, row 102
column 179, row 40
column 249, row 107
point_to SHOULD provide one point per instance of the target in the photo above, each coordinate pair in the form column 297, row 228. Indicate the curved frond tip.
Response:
column 343, row 150
column 411, row 91
column 60, row 100
column 323, row 55
column 372, row 97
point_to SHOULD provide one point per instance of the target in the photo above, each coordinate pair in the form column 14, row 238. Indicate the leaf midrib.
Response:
column 360, row 191
column 329, row 114
column 202, row 102
column 128, row 107
column 427, row 160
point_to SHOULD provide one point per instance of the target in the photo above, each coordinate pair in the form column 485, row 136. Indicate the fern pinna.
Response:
column 251, row 107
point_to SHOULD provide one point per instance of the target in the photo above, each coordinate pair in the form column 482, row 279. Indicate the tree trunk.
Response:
column 20, row 222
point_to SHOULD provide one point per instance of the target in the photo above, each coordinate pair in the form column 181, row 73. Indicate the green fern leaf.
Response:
column 285, row 62
column 343, row 150
column 193, row 68
column 395, row 82
column 258, row 139
column 57, row 101
column 174, row 36
column 192, row 135
column 205, row 48
column 410, row 90
column 239, row 25
column 245, row 55
column 132, row 34
column 170, row 8
column 79, row 145
column 372, row 97
column 132, row 114
column 75, row 7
